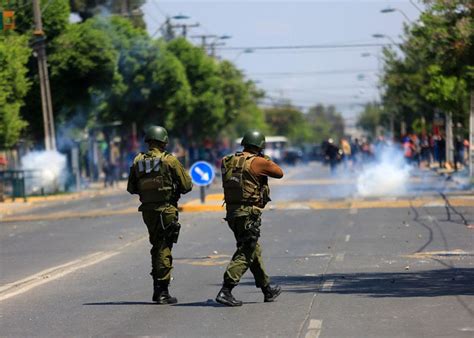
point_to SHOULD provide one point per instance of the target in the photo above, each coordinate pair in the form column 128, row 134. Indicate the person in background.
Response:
column 332, row 155
column 346, row 151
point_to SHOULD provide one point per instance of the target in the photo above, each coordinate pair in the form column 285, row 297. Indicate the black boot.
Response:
column 161, row 294
column 225, row 297
column 271, row 292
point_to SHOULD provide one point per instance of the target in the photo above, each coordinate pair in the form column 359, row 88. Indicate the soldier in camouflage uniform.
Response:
column 246, row 192
column 159, row 179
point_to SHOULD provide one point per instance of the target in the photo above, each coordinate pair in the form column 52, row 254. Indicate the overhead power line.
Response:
column 316, row 72
column 321, row 46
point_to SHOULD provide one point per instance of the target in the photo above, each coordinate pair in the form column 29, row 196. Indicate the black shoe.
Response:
column 225, row 297
column 161, row 295
column 271, row 292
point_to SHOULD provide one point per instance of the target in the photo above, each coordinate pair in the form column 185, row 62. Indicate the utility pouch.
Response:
column 169, row 223
column 173, row 232
column 252, row 226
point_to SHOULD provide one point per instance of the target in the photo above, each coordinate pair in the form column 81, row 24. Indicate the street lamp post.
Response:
column 245, row 51
column 383, row 36
column 392, row 9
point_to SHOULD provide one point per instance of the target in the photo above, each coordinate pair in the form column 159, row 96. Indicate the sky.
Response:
column 337, row 76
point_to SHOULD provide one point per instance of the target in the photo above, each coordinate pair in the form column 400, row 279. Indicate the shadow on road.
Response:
column 208, row 303
column 429, row 283
column 120, row 303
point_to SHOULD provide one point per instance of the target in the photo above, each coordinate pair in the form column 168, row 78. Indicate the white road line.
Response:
column 314, row 328
column 18, row 287
column 327, row 285
column 348, row 238
column 340, row 257
column 353, row 211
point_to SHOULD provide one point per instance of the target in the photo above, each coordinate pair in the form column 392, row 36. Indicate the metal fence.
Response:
column 13, row 183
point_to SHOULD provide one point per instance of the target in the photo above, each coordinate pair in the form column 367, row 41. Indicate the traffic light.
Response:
column 7, row 20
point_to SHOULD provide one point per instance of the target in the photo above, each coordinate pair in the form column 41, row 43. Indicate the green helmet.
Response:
column 156, row 133
column 254, row 138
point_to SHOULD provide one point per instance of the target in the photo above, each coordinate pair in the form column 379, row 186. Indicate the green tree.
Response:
column 14, row 84
column 208, row 108
column 436, row 69
column 241, row 101
column 152, row 86
column 289, row 121
column 372, row 117
column 89, row 8
column 55, row 17
column 83, row 67
column 325, row 122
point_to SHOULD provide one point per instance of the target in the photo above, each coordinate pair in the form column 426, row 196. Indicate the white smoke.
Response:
column 388, row 176
column 46, row 171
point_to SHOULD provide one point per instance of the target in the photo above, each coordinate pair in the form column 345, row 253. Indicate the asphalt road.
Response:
column 375, row 272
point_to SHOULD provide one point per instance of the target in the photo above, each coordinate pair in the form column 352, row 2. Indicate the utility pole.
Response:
column 213, row 46
column 471, row 139
column 46, row 103
column 204, row 38
column 124, row 8
column 184, row 27
column 449, row 139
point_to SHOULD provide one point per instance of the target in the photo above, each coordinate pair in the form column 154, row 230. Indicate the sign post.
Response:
column 202, row 174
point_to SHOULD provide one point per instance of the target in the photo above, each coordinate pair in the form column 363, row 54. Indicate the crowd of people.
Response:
column 423, row 150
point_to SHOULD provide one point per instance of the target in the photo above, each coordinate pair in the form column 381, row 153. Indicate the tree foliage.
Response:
column 435, row 72
column 318, row 124
column 55, row 17
column 88, row 8
column 14, row 84
column 372, row 117
column 107, row 69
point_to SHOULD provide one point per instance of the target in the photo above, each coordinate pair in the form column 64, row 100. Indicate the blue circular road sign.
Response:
column 202, row 173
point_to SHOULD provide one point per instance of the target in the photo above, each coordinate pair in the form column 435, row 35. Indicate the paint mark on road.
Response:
column 319, row 254
column 350, row 224
column 340, row 257
column 327, row 285
column 314, row 328
column 353, row 211
column 18, row 287
column 348, row 238
column 456, row 253
column 212, row 260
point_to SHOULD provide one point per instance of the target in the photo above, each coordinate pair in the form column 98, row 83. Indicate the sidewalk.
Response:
column 10, row 207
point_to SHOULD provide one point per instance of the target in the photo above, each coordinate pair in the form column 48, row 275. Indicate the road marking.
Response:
column 212, row 260
column 348, row 237
column 340, row 257
column 21, row 286
column 351, row 224
column 314, row 328
column 327, row 285
column 353, row 211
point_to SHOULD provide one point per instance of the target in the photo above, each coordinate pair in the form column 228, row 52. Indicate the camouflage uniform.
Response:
column 244, row 195
column 160, row 179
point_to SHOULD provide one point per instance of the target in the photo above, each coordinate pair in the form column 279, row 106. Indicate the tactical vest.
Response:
column 240, row 185
column 155, row 183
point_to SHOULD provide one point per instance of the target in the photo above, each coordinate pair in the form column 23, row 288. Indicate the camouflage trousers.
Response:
column 157, row 222
column 245, row 224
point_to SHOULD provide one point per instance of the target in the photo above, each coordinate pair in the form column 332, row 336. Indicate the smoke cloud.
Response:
column 387, row 176
column 48, row 171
